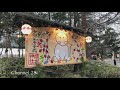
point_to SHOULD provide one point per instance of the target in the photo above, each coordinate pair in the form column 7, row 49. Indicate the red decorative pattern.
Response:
column 33, row 58
column 81, row 44
column 52, row 61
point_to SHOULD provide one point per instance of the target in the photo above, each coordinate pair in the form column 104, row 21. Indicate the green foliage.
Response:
column 59, row 17
column 82, row 59
column 6, row 23
column 97, row 69
column 50, row 72
column 105, row 43
column 38, row 72
column 21, row 42
column 10, row 65
column 90, row 69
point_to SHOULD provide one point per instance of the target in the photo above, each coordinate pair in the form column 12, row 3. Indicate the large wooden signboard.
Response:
column 50, row 46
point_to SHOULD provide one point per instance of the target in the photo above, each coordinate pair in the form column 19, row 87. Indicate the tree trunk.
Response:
column 19, row 51
column 83, row 21
column 75, row 18
column 6, row 52
column 49, row 16
column 10, row 39
column 70, row 18
column 19, row 44
column 22, row 52
column 9, row 43
column 11, row 52
column 6, row 45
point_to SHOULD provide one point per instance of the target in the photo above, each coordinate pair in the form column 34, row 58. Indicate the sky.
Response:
column 116, row 27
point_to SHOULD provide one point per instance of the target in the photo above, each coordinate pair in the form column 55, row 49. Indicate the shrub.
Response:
column 97, row 69
column 89, row 69
column 52, row 71
column 38, row 72
column 9, row 65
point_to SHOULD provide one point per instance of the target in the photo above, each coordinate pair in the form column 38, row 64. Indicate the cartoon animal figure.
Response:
column 61, row 50
column 76, row 53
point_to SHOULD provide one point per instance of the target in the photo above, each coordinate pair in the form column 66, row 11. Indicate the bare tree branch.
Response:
column 97, row 24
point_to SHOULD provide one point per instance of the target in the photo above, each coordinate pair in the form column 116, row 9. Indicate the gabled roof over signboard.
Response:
column 34, row 21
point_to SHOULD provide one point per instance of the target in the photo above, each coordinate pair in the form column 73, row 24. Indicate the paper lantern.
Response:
column 88, row 39
column 26, row 29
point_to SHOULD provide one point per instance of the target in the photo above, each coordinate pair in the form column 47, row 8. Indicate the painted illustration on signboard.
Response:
column 49, row 47
column 43, row 47
column 33, row 58
column 61, row 49
column 76, row 53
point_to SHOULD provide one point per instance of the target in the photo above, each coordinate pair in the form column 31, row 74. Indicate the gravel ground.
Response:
column 110, row 61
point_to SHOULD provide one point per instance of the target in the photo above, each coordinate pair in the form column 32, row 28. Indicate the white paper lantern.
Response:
column 26, row 29
column 88, row 39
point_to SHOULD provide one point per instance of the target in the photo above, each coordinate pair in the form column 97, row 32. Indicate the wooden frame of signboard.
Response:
column 51, row 43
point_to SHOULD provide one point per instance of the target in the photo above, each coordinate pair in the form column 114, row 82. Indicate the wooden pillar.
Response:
column 83, row 21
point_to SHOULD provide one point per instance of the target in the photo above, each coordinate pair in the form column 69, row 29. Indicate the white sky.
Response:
column 116, row 27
